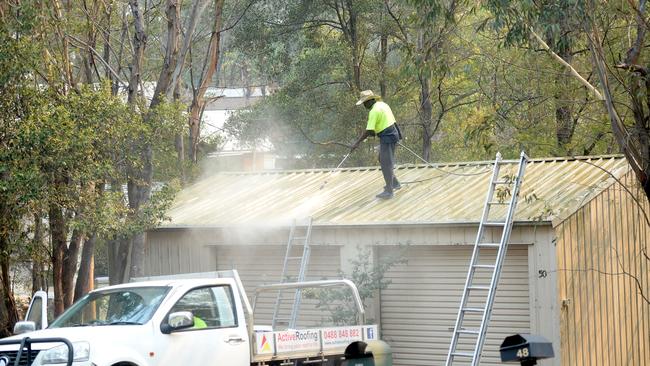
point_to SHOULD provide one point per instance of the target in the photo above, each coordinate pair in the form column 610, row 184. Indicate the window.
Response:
column 36, row 312
column 124, row 306
column 212, row 307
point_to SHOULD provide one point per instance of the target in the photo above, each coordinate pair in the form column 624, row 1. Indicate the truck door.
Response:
column 218, row 337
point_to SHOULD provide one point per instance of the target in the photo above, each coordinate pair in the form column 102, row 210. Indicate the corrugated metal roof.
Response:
column 433, row 194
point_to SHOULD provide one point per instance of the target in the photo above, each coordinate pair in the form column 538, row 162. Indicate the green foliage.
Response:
column 485, row 97
column 368, row 274
column 21, row 181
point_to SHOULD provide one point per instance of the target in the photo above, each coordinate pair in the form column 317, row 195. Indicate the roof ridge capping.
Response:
column 422, row 165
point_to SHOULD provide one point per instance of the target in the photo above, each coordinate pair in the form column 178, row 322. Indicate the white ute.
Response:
column 205, row 321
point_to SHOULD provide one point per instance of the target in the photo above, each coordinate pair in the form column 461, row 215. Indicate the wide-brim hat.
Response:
column 367, row 95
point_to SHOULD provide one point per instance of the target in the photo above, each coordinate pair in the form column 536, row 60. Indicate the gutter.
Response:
column 356, row 225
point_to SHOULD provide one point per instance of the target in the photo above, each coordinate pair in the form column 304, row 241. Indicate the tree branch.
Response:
column 567, row 65
column 326, row 143
column 623, row 273
column 99, row 57
column 240, row 16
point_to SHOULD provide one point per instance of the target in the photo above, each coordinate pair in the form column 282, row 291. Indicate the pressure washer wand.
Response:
column 338, row 166
column 344, row 159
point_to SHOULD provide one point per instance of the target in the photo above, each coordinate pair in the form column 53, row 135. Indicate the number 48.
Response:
column 522, row 353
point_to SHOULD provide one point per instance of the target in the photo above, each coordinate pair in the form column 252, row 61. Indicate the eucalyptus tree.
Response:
column 430, row 33
column 318, row 55
column 604, row 28
column 69, row 136
column 19, row 183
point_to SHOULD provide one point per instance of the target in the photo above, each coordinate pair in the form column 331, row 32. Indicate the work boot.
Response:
column 396, row 186
column 385, row 195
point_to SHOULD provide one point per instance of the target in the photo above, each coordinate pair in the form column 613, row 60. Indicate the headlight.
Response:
column 59, row 354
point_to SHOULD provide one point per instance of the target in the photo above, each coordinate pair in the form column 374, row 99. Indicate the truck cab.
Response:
column 193, row 322
column 176, row 321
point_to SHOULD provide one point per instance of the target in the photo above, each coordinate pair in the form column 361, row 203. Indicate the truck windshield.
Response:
column 124, row 306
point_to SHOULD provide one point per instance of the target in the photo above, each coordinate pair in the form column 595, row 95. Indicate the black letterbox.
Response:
column 525, row 348
column 368, row 353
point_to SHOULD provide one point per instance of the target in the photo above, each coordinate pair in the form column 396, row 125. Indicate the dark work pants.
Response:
column 387, row 163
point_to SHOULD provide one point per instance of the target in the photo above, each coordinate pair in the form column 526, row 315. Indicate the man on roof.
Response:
column 381, row 122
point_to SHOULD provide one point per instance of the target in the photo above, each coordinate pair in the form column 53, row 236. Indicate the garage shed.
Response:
column 575, row 271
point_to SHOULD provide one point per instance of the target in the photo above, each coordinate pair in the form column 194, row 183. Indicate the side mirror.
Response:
column 176, row 321
column 24, row 327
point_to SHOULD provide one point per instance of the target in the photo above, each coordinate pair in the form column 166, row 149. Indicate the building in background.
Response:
column 223, row 102
column 239, row 160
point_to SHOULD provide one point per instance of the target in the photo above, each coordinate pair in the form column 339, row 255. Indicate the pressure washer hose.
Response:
column 419, row 157
column 435, row 167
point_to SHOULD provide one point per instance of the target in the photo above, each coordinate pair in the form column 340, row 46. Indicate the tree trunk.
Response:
column 195, row 128
column 139, row 192
column 171, row 51
column 58, row 234
column 137, row 257
column 116, row 261
column 355, row 43
column 86, row 269
column 198, row 99
column 636, row 158
column 70, row 260
column 564, row 121
column 422, row 46
column 426, row 113
column 140, row 177
column 179, row 142
column 106, row 32
column 139, row 44
column 39, row 281
column 8, row 311
column 383, row 56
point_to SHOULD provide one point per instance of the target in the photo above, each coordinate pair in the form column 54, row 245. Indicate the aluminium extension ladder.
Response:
column 474, row 292
column 296, row 234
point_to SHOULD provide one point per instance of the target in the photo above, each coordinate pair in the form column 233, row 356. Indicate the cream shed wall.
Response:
column 183, row 250
column 604, row 278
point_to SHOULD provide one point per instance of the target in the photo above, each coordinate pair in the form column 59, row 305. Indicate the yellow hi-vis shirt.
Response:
column 380, row 117
column 199, row 323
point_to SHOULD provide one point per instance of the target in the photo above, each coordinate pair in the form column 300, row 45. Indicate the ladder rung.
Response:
column 489, row 245
column 483, row 288
column 487, row 266
column 299, row 237
column 462, row 354
column 494, row 223
column 502, row 182
column 473, row 310
column 468, row 331
column 294, row 258
column 497, row 203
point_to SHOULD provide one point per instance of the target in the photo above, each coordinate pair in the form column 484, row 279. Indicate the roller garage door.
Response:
column 419, row 307
column 259, row 265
